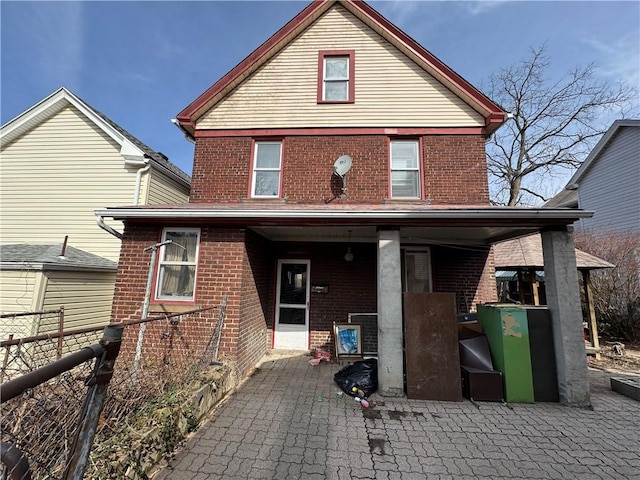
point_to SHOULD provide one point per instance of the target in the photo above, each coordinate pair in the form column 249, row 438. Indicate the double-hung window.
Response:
column 405, row 169
column 177, row 264
column 335, row 77
column 267, row 166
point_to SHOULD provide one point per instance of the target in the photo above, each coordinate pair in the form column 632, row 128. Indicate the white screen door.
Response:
column 292, row 307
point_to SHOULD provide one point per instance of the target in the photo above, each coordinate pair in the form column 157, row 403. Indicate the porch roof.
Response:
column 282, row 221
column 526, row 253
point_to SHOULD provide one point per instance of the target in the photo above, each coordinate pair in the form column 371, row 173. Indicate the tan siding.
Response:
column 390, row 90
column 16, row 296
column 164, row 190
column 86, row 297
column 16, row 291
column 54, row 177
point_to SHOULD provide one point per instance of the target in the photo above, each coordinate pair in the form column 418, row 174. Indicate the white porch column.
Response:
column 563, row 300
column 390, row 353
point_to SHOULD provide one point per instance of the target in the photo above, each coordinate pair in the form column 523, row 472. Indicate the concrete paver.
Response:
column 288, row 421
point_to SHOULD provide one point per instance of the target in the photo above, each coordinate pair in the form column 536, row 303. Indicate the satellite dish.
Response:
column 342, row 165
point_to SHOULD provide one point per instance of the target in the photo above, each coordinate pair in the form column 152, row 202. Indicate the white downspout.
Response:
column 145, row 168
column 107, row 228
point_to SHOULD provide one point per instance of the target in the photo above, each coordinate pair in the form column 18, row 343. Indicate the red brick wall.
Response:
column 352, row 287
column 242, row 264
column 454, row 169
column 256, row 307
column 225, row 267
column 467, row 271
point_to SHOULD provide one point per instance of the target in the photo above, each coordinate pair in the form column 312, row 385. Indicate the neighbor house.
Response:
column 607, row 182
column 60, row 160
column 338, row 169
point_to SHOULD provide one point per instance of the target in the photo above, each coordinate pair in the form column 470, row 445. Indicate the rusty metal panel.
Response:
column 431, row 347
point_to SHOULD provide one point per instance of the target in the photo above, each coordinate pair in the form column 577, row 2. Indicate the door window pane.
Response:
column 292, row 316
column 293, row 284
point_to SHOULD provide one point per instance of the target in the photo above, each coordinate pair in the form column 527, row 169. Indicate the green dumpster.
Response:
column 508, row 335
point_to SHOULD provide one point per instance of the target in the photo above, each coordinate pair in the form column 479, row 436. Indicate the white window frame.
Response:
column 162, row 263
column 416, row 170
column 254, row 175
column 427, row 272
column 346, row 80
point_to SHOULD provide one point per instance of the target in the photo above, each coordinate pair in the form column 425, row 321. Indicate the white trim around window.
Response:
column 404, row 169
column 267, row 169
column 177, row 265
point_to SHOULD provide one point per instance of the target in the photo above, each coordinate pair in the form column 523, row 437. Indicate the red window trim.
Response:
column 420, row 168
column 252, row 161
column 322, row 54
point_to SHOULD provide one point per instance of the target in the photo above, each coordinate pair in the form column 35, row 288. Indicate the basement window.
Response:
column 177, row 265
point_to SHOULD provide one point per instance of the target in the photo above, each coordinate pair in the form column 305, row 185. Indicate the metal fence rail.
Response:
column 41, row 422
column 37, row 421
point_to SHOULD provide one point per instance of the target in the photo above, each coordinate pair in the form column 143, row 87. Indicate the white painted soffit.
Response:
column 51, row 105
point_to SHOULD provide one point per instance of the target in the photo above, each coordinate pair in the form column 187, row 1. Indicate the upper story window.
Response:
column 267, row 168
column 177, row 264
column 405, row 169
column 336, row 76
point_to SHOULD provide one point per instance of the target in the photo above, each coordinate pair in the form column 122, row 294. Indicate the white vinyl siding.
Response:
column 405, row 169
column 85, row 296
column 611, row 187
column 165, row 191
column 54, row 177
column 390, row 89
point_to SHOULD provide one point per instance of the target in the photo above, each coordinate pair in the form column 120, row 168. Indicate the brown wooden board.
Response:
column 431, row 347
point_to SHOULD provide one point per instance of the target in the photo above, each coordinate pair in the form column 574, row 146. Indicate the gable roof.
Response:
column 565, row 198
column 131, row 148
column 526, row 252
column 24, row 256
column 600, row 146
column 493, row 114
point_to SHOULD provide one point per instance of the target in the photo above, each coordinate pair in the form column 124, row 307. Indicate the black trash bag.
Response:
column 363, row 375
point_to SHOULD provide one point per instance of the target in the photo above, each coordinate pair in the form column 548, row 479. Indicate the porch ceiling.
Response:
column 409, row 235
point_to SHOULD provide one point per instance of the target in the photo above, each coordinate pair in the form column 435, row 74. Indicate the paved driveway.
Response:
column 288, row 422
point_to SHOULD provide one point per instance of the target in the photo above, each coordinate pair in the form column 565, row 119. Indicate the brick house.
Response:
column 295, row 245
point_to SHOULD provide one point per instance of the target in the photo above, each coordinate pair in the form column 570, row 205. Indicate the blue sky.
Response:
column 141, row 63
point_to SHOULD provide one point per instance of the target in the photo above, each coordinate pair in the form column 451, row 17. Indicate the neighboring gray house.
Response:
column 608, row 181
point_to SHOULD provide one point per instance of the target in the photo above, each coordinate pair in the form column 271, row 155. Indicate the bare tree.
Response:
column 553, row 126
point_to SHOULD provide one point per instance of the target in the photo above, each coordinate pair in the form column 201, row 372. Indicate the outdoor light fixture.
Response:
column 349, row 256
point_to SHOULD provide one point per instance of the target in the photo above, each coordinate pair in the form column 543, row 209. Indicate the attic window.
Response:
column 336, row 76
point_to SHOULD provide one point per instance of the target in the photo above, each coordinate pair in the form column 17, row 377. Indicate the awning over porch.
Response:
column 417, row 222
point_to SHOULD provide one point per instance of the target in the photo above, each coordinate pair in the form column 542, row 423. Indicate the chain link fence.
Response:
column 42, row 422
